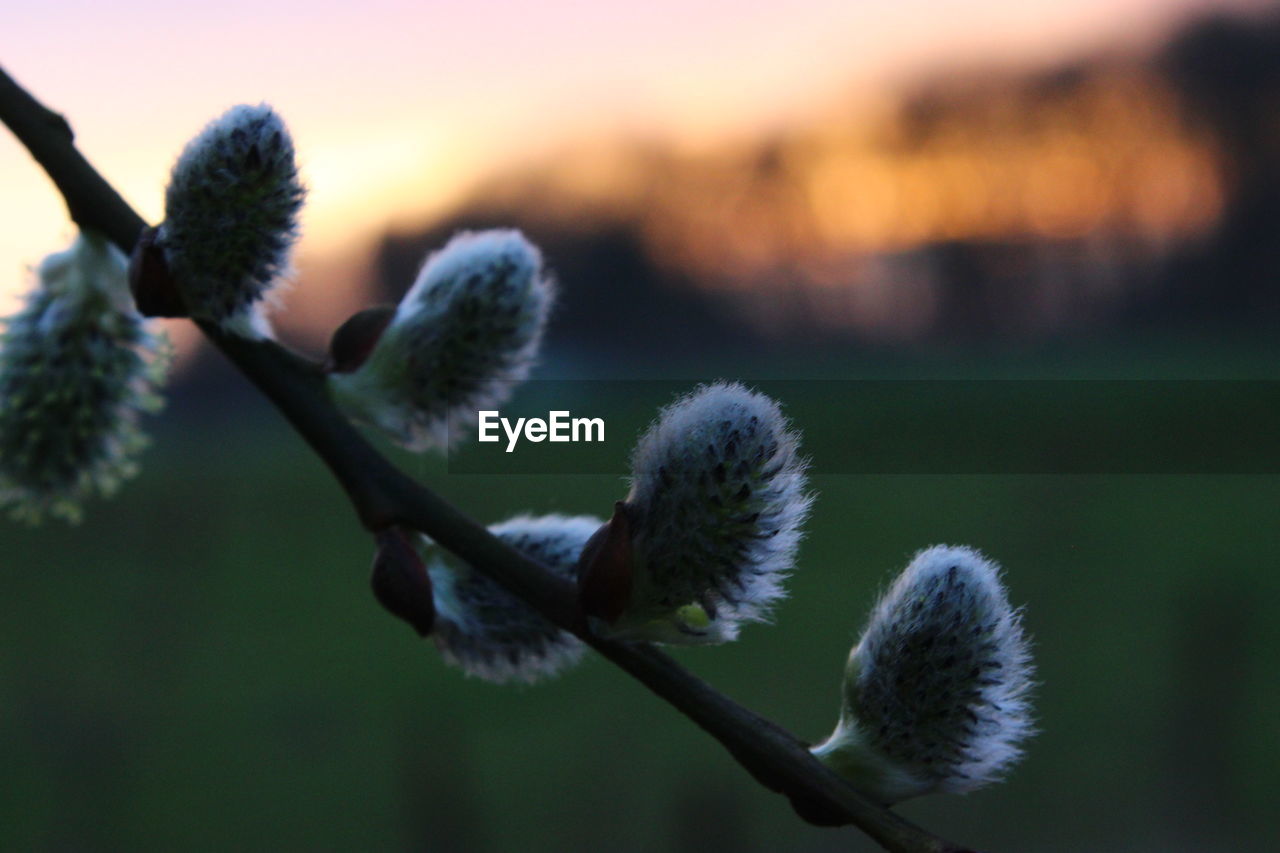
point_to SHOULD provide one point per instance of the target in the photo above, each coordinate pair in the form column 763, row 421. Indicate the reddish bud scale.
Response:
column 400, row 581
column 605, row 568
column 154, row 291
column 355, row 339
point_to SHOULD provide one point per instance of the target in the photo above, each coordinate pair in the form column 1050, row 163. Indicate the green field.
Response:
column 200, row 665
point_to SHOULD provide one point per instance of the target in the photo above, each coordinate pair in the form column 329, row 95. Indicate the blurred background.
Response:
column 830, row 190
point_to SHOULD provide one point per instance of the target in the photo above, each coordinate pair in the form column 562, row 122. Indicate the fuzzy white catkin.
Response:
column 231, row 216
column 465, row 333
column 718, row 499
column 488, row 632
column 937, row 691
column 77, row 367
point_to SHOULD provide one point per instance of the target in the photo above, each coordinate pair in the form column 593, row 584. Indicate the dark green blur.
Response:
column 201, row 665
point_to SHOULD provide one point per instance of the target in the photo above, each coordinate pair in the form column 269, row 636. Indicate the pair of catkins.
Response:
column 935, row 693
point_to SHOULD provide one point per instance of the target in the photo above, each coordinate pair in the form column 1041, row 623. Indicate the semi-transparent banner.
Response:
column 907, row 426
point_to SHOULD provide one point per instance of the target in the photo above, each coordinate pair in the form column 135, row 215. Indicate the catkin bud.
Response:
column 77, row 367
column 487, row 631
column 936, row 693
column 400, row 581
column 231, row 216
column 713, row 520
column 463, row 335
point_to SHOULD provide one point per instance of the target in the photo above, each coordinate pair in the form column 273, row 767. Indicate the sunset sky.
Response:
column 397, row 106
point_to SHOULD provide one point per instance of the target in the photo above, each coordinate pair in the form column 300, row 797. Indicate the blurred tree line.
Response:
column 1114, row 193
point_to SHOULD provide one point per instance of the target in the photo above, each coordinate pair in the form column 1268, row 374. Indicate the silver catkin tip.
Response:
column 937, row 691
column 488, row 632
column 77, row 368
column 231, row 215
column 718, row 499
column 465, row 333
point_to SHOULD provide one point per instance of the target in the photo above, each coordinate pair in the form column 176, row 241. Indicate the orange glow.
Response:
column 400, row 112
column 1111, row 154
column 1105, row 162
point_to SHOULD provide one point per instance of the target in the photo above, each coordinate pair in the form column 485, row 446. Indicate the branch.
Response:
column 383, row 496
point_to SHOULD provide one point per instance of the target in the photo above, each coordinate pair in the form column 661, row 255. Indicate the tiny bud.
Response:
column 718, row 497
column 400, row 581
column 461, row 338
column 356, row 337
column 154, row 290
column 231, row 216
column 604, row 571
column 936, row 693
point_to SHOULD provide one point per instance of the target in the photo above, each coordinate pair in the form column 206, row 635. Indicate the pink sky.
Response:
column 397, row 106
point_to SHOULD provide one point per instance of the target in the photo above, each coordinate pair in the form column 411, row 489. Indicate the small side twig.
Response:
column 383, row 496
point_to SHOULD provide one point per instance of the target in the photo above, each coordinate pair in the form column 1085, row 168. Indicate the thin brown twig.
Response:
column 383, row 496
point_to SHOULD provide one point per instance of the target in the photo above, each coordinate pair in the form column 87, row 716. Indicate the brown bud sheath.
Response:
column 154, row 290
column 400, row 581
column 355, row 339
column 605, row 568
